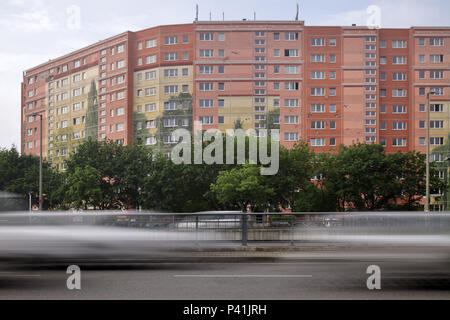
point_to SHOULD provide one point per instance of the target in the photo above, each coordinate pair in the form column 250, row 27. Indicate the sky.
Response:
column 34, row 31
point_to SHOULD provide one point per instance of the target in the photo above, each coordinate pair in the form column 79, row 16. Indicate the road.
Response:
column 225, row 278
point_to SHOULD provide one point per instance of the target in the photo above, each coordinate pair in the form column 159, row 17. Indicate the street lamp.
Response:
column 427, row 197
column 35, row 114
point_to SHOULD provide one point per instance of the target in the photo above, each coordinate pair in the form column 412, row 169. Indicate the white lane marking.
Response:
column 240, row 276
column 15, row 274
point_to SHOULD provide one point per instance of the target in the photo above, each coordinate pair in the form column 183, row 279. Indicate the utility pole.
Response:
column 427, row 195
column 40, row 161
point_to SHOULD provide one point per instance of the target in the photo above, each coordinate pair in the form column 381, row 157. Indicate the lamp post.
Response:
column 40, row 160
column 427, row 196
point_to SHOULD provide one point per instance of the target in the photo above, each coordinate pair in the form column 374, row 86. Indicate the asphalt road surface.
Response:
column 230, row 278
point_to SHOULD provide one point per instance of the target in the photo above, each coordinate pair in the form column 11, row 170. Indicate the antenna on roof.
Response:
column 223, row 16
column 254, row 16
column 210, row 16
column 296, row 16
column 196, row 12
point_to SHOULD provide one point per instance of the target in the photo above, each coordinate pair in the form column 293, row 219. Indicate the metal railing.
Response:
column 246, row 227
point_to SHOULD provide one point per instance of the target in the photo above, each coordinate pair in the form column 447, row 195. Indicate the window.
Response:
column 185, row 72
column 221, row 86
column 436, row 74
column 398, row 60
column 436, row 141
column 398, row 125
column 399, row 93
column 421, row 108
column 399, row 109
column 317, row 42
column 150, row 59
column 382, row 44
column 332, row 58
column 399, row 142
column 421, row 74
column 169, row 73
column 382, row 60
column 317, row 92
column 291, row 53
column 291, row 136
column 436, row 42
column 185, row 56
column 398, row 44
column 185, row 39
column 422, row 58
column 332, row 142
column 170, row 106
column 120, row 111
column 206, row 103
column 150, row 75
column 121, row 48
column 221, row 103
column 205, row 86
column 436, row 124
column 171, row 122
column 290, row 69
column 206, row 53
column 317, row 108
column 332, row 74
column 150, row 91
column 171, row 89
column 206, row 36
column 206, row 119
column 332, row 42
column 291, row 86
column 276, row 36
column 221, row 37
column 317, row 124
column 150, row 141
column 291, row 119
column 221, row 53
column 436, row 107
column 150, row 43
column 276, row 52
column 399, row 76
column 421, row 42
column 290, row 36
column 170, row 40
column 317, row 142
column 332, row 92
column 317, row 58
column 171, row 56
column 317, row 75
column 151, row 107
column 437, row 91
column 221, row 120
column 436, row 58
column 290, row 102
column 221, row 69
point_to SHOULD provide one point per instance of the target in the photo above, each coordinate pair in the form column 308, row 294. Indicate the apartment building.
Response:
column 324, row 85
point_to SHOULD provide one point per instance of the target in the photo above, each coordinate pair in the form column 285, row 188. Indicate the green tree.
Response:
column 20, row 174
column 84, row 187
column 242, row 187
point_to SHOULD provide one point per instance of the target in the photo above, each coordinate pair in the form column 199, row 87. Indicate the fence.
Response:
column 246, row 227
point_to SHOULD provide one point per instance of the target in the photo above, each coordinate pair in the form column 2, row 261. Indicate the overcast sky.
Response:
column 34, row 31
